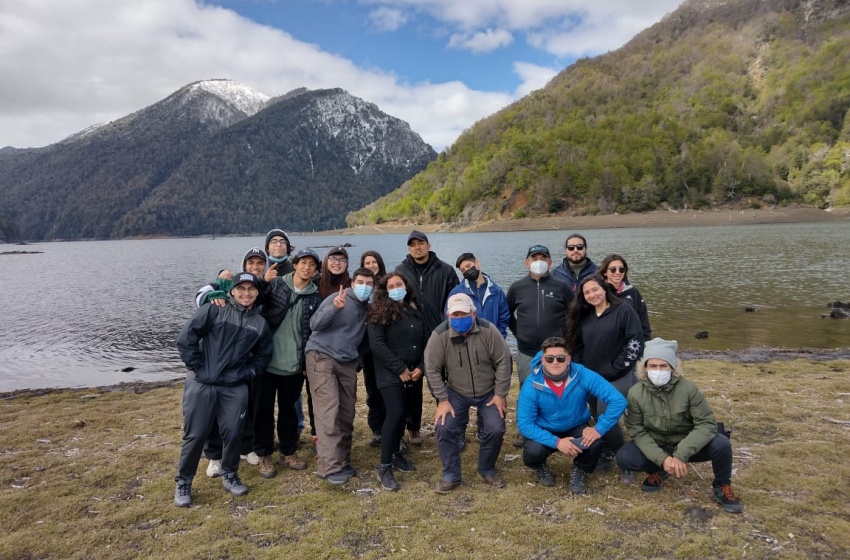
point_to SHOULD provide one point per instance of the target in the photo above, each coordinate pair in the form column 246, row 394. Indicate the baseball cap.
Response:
column 416, row 234
column 460, row 302
column 538, row 250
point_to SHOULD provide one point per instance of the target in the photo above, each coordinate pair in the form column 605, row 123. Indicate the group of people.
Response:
column 585, row 359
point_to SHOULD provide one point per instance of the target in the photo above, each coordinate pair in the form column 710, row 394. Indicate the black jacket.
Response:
column 564, row 273
column 538, row 310
column 277, row 304
column 432, row 287
column 612, row 343
column 629, row 294
column 398, row 347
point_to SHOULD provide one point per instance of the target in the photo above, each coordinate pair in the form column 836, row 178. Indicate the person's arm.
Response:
column 527, row 413
column 504, row 314
column 189, row 339
column 633, row 336
column 705, row 426
column 511, row 301
column 643, row 314
column 261, row 354
column 501, row 361
column 435, row 363
column 638, row 432
column 324, row 315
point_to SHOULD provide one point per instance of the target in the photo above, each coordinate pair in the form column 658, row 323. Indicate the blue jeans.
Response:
column 448, row 434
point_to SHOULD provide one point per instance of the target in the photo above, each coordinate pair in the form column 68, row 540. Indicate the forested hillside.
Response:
column 740, row 101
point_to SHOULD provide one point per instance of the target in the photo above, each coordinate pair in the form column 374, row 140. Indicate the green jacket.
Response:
column 675, row 416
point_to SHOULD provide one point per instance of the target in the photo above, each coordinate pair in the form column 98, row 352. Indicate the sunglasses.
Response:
column 561, row 358
column 620, row 269
column 578, row 247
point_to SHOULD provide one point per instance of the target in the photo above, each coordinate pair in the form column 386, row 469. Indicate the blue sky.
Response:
column 441, row 65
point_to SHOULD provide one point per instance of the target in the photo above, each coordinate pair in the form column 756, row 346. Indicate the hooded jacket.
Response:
column 339, row 332
column 541, row 413
column 675, row 415
column 611, row 343
column 493, row 308
column 431, row 287
column 236, row 345
column 538, row 310
column 281, row 298
column 564, row 273
column 220, row 288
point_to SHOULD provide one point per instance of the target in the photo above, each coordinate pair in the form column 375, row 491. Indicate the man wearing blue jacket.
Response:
column 553, row 416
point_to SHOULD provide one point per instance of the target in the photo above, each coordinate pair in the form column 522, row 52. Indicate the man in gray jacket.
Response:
column 337, row 328
column 467, row 363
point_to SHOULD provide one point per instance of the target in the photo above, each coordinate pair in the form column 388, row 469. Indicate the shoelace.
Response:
column 544, row 471
column 184, row 489
column 727, row 493
column 234, row 480
column 576, row 475
column 654, row 479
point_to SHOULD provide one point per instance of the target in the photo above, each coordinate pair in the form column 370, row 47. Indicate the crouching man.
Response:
column 671, row 424
column 552, row 414
column 224, row 349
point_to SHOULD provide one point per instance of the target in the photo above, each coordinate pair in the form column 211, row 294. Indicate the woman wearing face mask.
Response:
column 397, row 337
column 334, row 272
column 374, row 402
column 616, row 271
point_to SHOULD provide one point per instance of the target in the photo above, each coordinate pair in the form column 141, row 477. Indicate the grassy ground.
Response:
column 89, row 474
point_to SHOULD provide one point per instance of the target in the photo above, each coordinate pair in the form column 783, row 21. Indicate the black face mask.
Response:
column 555, row 378
column 471, row 274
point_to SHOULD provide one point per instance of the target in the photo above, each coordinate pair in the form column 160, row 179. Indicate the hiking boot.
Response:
column 183, row 494
column 375, row 441
column 627, row 476
column 349, row 471
column 578, row 481
column 545, row 476
column 337, row 478
column 492, row 479
column 387, row 478
column 415, row 438
column 252, row 458
column 267, row 469
column 293, row 462
column 519, row 441
column 653, row 481
column 400, row 463
column 214, row 468
column 232, row 484
column 446, row 486
column 724, row 496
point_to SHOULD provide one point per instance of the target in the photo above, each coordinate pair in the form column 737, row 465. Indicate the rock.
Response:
column 701, row 334
column 751, row 309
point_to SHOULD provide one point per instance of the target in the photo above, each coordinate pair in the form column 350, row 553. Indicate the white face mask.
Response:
column 539, row 267
column 658, row 377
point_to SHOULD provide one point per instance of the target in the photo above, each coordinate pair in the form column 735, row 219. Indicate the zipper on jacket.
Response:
column 471, row 372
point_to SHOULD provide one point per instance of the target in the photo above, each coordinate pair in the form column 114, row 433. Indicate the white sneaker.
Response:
column 251, row 457
column 214, row 468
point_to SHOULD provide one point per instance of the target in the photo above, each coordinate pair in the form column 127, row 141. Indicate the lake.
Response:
column 80, row 312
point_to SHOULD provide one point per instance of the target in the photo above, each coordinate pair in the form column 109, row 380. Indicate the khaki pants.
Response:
column 333, row 386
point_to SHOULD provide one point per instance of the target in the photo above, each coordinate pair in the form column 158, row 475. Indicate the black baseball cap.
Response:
column 538, row 250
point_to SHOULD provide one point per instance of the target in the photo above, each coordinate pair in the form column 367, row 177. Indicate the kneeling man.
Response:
column 552, row 414
column 671, row 424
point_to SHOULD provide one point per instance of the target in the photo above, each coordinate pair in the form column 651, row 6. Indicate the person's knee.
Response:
column 629, row 457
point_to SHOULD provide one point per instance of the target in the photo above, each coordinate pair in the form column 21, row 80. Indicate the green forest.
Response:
column 741, row 102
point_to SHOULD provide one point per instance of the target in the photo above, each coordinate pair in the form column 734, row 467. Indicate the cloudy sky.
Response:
column 440, row 65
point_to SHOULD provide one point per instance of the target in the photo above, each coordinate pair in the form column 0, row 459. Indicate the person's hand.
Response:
column 675, row 466
column 339, row 300
column 271, row 273
column 405, row 376
column 565, row 446
column 225, row 275
column 589, row 435
column 500, row 403
column 416, row 374
column 219, row 302
column 444, row 408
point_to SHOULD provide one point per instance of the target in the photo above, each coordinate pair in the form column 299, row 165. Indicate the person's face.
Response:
column 655, row 363
column 255, row 265
column 278, row 247
column 394, row 283
column 537, row 257
column 593, row 293
column 363, row 280
column 466, row 265
column 615, row 273
column 337, row 263
column 460, row 314
column 245, row 294
column 371, row 263
column 305, row 268
column 418, row 249
column 556, row 367
column 576, row 250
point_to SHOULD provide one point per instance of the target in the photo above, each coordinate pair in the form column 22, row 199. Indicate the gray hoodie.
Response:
column 338, row 332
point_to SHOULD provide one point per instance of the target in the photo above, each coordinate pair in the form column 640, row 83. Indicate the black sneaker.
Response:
column 519, row 441
column 544, row 476
column 578, row 481
column 183, row 494
column 349, row 471
column 727, row 499
column 232, row 484
column 387, row 478
column 336, row 478
column 652, row 483
column 400, row 463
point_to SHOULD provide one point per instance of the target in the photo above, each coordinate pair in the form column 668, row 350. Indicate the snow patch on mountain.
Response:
column 244, row 98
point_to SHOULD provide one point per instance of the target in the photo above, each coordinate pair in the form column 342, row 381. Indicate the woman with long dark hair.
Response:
column 615, row 270
column 334, row 272
column 374, row 262
column 397, row 337
column 374, row 401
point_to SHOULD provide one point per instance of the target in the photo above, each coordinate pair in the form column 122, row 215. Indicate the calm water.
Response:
column 80, row 312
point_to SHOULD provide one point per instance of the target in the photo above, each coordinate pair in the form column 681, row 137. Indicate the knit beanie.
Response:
column 660, row 349
column 278, row 233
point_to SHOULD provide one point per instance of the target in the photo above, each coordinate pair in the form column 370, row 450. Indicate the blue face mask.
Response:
column 461, row 325
column 362, row 291
column 397, row 294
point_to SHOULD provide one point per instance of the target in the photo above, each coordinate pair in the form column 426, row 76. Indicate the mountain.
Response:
column 214, row 157
column 734, row 101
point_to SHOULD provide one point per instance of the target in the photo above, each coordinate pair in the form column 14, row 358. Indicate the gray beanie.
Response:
column 660, row 349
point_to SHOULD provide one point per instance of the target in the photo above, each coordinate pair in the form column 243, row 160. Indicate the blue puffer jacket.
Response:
column 541, row 413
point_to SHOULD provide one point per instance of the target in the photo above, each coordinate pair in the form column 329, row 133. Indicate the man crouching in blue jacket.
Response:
column 225, row 348
column 552, row 414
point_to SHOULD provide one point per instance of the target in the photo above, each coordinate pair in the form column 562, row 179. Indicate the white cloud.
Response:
column 482, row 41
column 388, row 19
column 533, row 77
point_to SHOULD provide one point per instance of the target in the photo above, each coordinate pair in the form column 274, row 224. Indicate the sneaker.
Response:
column 183, row 494
column 724, row 496
column 387, row 478
column 375, row 441
column 446, row 486
column 349, row 471
column 627, row 476
column 461, row 441
column 232, row 484
column 293, row 462
column 400, row 463
column 492, row 479
column 545, row 476
column 415, row 438
column 214, row 468
column 337, row 478
column 578, row 481
column 252, row 458
column 315, row 449
column 267, row 469
column 519, row 441
column 653, row 481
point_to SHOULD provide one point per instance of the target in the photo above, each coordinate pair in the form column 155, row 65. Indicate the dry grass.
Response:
column 88, row 474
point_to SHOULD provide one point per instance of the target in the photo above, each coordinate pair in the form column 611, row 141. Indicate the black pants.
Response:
column 374, row 397
column 395, row 403
column 287, row 389
column 212, row 448
column 718, row 451
column 534, row 454
column 413, row 403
